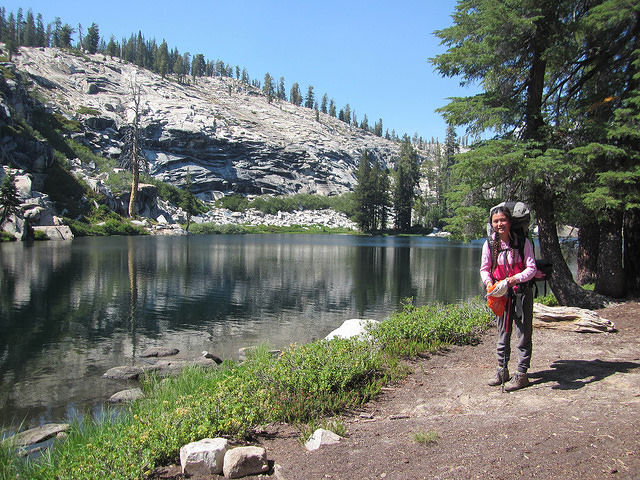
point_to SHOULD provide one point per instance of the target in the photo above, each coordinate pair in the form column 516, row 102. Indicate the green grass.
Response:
column 426, row 438
column 302, row 386
column 88, row 111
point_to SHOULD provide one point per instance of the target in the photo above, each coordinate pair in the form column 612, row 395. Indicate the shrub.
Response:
column 418, row 329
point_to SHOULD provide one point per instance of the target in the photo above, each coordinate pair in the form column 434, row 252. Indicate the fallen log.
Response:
column 571, row 319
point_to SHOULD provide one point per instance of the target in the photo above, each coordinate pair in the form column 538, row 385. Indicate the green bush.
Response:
column 113, row 224
column 40, row 235
column 235, row 203
column 7, row 237
column 413, row 330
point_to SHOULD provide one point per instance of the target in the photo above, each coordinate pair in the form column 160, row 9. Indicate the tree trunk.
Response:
column 134, row 189
column 610, row 280
column 631, row 234
column 561, row 282
column 588, row 245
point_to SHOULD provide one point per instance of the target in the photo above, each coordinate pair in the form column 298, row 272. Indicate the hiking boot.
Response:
column 519, row 380
column 498, row 379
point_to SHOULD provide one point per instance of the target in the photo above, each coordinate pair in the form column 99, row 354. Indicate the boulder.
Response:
column 204, row 457
column 352, row 328
column 62, row 232
column 123, row 373
column 159, row 352
column 39, row 434
column 126, row 396
column 320, row 438
column 242, row 461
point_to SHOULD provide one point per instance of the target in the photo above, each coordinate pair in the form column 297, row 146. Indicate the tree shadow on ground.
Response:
column 575, row 374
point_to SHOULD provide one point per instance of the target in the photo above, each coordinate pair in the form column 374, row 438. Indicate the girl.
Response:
column 501, row 260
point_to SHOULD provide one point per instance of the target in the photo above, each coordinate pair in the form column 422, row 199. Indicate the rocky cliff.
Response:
column 225, row 134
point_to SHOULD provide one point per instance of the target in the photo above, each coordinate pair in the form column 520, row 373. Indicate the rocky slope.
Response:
column 225, row 134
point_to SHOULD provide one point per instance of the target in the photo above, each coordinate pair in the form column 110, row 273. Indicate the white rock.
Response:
column 125, row 396
column 243, row 461
column 352, row 328
column 204, row 457
column 320, row 438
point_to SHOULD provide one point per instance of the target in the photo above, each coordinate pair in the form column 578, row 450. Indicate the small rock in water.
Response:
column 159, row 352
column 211, row 356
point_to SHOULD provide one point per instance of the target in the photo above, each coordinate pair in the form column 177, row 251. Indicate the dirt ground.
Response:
column 579, row 419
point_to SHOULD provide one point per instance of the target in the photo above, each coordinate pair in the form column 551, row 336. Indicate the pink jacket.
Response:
column 513, row 259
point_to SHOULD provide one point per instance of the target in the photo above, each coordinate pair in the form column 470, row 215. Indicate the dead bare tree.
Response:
column 132, row 156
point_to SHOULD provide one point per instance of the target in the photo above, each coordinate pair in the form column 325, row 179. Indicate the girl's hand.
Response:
column 511, row 281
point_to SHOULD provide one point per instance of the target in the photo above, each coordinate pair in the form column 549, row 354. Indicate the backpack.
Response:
column 520, row 220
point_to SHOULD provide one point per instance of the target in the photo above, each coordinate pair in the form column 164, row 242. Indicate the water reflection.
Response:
column 72, row 310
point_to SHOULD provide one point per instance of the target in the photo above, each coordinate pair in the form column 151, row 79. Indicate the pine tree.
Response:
column 30, row 30
column 540, row 71
column 406, row 178
column 92, row 39
column 323, row 103
column 162, row 59
column 198, row 66
column 295, row 96
column 281, row 92
column 9, row 199
column 377, row 128
column 347, row 114
column 268, row 88
column 309, row 99
column 332, row 108
column 41, row 34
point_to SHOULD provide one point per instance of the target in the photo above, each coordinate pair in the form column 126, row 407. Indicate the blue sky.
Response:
column 371, row 54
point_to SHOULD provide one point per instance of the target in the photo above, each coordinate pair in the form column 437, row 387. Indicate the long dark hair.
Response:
column 495, row 241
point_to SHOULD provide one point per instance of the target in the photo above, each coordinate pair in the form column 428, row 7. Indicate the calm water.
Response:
column 69, row 311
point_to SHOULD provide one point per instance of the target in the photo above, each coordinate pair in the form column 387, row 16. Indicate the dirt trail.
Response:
column 580, row 418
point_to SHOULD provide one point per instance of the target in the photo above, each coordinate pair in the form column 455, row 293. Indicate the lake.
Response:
column 69, row 311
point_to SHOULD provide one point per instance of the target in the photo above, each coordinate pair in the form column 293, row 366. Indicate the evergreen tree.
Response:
column 346, row 117
column 41, row 34
column 178, row 69
column 162, row 59
column 198, row 66
column 30, row 37
column 64, row 36
column 268, row 88
column 281, row 92
column 377, row 128
column 332, row 108
column 9, row 199
column 186, row 63
column 540, row 71
column 188, row 201
column 323, row 103
column 19, row 38
column 365, row 123
column 295, row 96
column 406, row 178
column 92, row 39
column 371, row 195
column 364, row 195
column 308, row 103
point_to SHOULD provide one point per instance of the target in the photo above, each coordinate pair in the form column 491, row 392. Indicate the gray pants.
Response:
column 519, row 316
